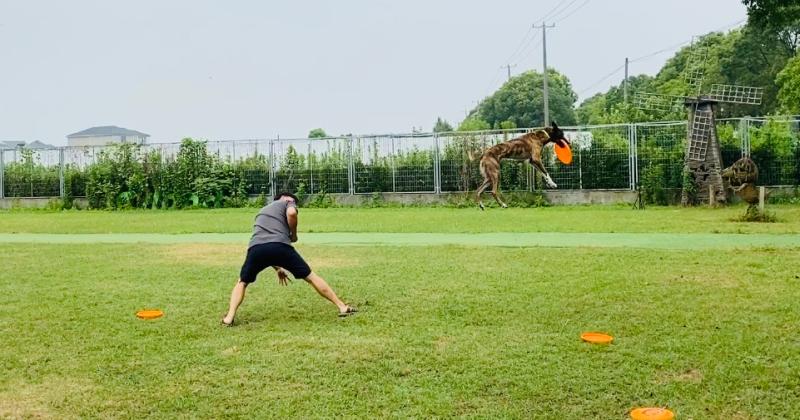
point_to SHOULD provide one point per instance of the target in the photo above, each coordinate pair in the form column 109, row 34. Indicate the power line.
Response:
column 603, row 79
column 573, row 11
column 556, row 15
column 672, row 47
column 521, row 43
column 557, row 6
column 528, row 44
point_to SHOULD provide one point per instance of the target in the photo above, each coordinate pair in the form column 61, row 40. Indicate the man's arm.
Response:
column 291, row 218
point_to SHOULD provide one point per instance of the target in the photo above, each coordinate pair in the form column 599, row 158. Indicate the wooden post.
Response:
column 712, row 198
column 761, row 194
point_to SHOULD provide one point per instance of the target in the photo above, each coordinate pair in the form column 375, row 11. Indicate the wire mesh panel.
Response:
column 250, row 161
column 657, row 102
column 373, row 165
column 775, row 149
column 700, row 134
column 660, row 159
column 695, row 69
column 412, row 159
column 77, row 161
column 600, row 159
column 732, row 139
column 736, row 94
column 31, row 173
column 222, row 150
column 167, row 151
column 328, row 160
column 290, row 163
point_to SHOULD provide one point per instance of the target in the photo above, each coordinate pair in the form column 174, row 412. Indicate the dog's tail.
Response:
column 471, row 155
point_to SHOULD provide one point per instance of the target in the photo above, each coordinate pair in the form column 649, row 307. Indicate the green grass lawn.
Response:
column 481, row 331
column 447, row 220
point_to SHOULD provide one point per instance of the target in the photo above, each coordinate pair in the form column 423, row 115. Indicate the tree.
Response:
column 442, row 126
column 751, row 56
column 755, row 59
column 778, row 17
column 473, row 123
column 788, row 82
column 610, row 107
column 317, row 133
column 521, row 101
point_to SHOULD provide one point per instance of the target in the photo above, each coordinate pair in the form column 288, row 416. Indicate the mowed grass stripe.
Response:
column 539, row 239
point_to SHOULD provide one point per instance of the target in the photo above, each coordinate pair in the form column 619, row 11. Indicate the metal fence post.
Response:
column 394, row 171
column 61, row 191
column 2, row 175
column 580, row 168
column 635, row 156
column 310, row 167
column 350, row 166
column 272, row 191
column 631, row 165
column 437, row 170
column 744, row 136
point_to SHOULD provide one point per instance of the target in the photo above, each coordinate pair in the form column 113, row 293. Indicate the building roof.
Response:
column 39, row 145
column 15, row 144
column 107, row 130
column 10, row 144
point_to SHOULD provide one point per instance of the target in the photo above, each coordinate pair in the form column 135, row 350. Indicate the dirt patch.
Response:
column 691, row 376
column 231, row 351
column 442, row 343
column 25, row 400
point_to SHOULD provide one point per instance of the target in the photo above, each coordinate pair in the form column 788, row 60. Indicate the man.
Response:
column 274, row 231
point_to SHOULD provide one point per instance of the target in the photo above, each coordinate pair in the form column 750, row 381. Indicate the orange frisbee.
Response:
column 596, row 338
column 652, row 413
column 564, row 153
column 150, row 314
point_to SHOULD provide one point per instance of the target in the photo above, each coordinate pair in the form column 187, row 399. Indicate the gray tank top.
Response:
column 271, row 224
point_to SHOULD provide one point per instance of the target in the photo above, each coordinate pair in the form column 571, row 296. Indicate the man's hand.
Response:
column 283, row 276
column 294, row 237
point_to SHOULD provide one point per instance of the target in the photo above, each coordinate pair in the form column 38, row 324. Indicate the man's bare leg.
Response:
column 237, row 296
column 319, row 284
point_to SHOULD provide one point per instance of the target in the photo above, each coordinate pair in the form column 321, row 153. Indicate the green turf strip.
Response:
column 543, row 239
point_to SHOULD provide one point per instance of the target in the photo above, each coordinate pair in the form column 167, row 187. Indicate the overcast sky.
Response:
column 258, row 69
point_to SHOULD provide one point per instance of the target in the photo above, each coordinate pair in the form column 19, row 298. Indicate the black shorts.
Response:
column 266, row 255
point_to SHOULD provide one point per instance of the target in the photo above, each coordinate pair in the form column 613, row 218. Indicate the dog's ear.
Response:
column 553, row 124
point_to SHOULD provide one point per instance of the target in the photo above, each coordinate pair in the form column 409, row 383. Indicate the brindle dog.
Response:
column 526, row 147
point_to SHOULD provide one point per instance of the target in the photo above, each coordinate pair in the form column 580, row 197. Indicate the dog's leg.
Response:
column 495, row 184
column 481, row 189
column 540, row 167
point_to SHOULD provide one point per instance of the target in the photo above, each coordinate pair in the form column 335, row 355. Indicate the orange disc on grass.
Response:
column 564, row 153
column 652, row 413
column 596, row 338
column 150, row 314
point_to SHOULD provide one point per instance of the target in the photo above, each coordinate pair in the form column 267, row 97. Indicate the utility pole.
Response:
column 509, row 67
column 625, row 82
column 544, row 27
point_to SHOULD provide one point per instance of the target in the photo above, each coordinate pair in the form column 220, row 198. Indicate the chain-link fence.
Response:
column 649, row 156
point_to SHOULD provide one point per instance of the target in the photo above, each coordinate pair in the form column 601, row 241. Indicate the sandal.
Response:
column 347, row 312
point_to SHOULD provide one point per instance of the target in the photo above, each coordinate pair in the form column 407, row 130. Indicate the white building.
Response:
column 100, row 136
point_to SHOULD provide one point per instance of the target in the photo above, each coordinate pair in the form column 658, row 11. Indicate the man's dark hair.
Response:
column 287, row 194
